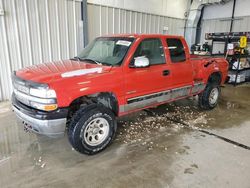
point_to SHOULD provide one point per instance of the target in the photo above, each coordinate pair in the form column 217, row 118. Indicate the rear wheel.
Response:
column 92, row 129
column 208, row 99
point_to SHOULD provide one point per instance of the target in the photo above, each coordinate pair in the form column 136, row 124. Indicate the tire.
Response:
column 92, row 129
column 208, row 99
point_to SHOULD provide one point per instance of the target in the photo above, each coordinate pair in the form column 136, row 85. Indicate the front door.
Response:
column 149, row 85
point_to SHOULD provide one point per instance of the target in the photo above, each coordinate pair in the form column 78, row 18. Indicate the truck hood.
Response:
column 49, row 72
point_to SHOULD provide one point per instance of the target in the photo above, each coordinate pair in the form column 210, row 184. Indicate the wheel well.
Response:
column 215, row 78
column 107, row 99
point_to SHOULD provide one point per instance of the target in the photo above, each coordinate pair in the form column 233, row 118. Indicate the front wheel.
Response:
column 92, row 129
column 208, row 99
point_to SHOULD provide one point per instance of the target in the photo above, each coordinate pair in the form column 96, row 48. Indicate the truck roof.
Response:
column 136, row 35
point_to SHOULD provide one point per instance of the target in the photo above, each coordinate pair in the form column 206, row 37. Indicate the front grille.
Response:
column 20, row 85
column 21, row 98
column 22, row 93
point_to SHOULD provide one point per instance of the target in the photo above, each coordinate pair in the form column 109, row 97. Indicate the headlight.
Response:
column 43, row 93
column 46, row 100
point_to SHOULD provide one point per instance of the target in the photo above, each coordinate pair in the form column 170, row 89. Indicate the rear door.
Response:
column 180, row 65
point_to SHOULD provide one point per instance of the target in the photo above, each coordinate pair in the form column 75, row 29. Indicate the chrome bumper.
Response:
column 50, row 128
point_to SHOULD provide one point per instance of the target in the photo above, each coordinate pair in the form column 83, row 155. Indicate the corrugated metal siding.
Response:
column 223, row 25
column 242, row 24
column 108, row 20
column 35, row 31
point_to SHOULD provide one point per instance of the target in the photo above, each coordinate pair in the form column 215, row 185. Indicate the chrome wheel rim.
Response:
column 96, row 131
column 213, row 97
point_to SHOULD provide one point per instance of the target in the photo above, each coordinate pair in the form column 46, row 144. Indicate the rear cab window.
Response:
column 151, row 48
column 176, row 50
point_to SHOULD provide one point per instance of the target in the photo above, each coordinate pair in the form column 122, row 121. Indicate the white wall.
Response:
column 216, row 11
column 170, row 8
column 104, row 20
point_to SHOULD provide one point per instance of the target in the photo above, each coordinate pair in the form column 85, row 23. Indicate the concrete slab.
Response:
column 149, row 150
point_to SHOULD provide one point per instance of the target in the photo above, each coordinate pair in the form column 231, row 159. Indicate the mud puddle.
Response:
column 147, row 128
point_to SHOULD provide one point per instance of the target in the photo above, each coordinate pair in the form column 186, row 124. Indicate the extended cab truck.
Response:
column 113, row 76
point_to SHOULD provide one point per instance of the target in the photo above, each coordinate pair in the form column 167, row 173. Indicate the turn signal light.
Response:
column 45, row 107
column 50, row 107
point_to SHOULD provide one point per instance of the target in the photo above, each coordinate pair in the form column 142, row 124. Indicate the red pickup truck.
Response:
column 113, row 76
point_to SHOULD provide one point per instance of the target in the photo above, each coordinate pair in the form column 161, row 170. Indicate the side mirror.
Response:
column 141, row 62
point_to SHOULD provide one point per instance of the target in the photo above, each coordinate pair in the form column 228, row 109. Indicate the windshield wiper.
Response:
column 76, row 57
column 87, row 59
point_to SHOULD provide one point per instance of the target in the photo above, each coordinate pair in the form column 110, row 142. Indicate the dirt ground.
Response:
column 151, row 149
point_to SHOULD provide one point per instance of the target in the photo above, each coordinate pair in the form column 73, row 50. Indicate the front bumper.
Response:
column 51, row 124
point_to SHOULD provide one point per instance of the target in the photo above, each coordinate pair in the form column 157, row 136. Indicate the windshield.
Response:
column 106, row 50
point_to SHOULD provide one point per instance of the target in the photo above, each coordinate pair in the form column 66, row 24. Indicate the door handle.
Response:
column 165, row 72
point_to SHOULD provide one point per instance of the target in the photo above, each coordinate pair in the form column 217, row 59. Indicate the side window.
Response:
column 176, row 49
column 152, row 49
